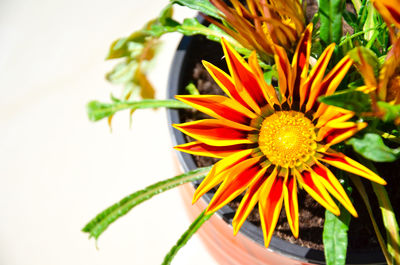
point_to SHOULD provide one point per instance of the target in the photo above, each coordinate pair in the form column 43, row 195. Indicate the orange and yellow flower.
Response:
column 273, row 141
column 390, row 11
column 263, row 23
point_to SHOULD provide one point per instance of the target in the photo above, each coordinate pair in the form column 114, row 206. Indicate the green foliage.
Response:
column 186, row 236
column 392, row 112
column 203, row 6
column 192, row 89
column 331, row 13
column 368, row 55
column 97, row 110
column 100, row 223
column 372, row 147
column 349, row 99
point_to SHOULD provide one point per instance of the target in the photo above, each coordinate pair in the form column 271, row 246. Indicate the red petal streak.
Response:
column 345, row 163
column 248, row 202
column 202, row 149
column 317, row 190
column 333, row 136
column 237, row 179
column 284, row 70
column 300, row 62
column 291, row 204
column 333, row 186
column 244, row 78
column 217, row 172
column 219, row 107
column 330, row 83
column 270, row 205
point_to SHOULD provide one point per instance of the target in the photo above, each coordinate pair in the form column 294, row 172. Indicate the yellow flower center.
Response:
column 287, row 138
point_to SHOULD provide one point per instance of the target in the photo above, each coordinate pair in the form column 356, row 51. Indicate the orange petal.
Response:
column 330, row 83
column 345, row 163
column 284, row 71
column 217, row 173
column 214, row 132
column 237, row 179
column 388, row 69
column 335, row 115
column 333, row 186
column 248, row 202
column 270, row 204
column 300, row 62
column 310, row 182
column 343, row 131
column 202, row 149
column 245, row 80
column 219, row 107
column 390, row 11
column 316, row 74
column 291, row 204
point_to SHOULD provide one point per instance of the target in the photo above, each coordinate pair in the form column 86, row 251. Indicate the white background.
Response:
column 58, row 170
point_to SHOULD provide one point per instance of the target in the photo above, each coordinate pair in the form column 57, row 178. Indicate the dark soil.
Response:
column 311, row 214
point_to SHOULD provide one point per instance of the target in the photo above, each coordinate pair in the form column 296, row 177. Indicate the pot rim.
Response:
column 251, row 231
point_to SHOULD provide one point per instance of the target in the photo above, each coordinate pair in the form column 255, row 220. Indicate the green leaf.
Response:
column 203, row 6
column 370, row 21
column 100, row 223
column 392, row 112
column 372, row 147
column 331, row 13
column 97, row 110
column 389, row 221
column 186, row 236
column 335, row 236
column 361, row 189
column 192, row 89
column 349, row 99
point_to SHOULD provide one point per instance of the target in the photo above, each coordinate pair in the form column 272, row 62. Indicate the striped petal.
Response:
column 316, row 74
column 219, row 107
column 202, row 149
column 301, row 59
column 291, row 204
column 244, row 78
column 214, row 132
column 334, row 187
column 345, row 163
column 270, row 204
column 333, row 115
column 248, row 202
column 237, row 179
column 284, row 71
column 217, row 173
column 390, row 11
column 330, row 83
column 311, row 183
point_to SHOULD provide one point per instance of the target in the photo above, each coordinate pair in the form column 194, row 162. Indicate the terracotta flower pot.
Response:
column 217, row 233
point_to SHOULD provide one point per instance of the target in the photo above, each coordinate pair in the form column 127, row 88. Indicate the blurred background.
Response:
column 58, row 169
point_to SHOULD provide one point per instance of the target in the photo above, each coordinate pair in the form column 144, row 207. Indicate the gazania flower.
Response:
column 272, row 143
column 263, row 23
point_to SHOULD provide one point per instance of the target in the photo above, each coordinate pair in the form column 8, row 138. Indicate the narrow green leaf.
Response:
column 349, row 99
column 360, row 187
column 370, row 21
column 192, row 89
column 372, row 147
column 335, row 236
column 331, row 13
column 203, row 6
column 97, row 110
column 186, row 236
column 100, row 223
column 389, row 221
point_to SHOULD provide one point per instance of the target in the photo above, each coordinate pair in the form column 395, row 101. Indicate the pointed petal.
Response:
column 330, row 83
column 334, row 187
column 345, row 163
column 270, row 205
column 237, row 179
column 335, row 115
column 202, row 149
column 219, row 107
column 245, row 81
column 316, row 74
column 214, row 132
column 310, row 182
column 217, row 173
column 284, row 70
column 248, row 202
column 301, row 59
column 337, row 131
column 390, row 11
column 291, row 204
